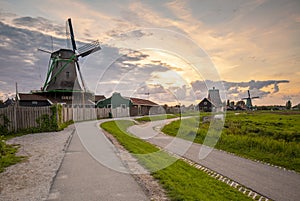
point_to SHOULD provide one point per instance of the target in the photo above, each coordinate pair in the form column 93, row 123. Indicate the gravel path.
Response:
column 31, row 180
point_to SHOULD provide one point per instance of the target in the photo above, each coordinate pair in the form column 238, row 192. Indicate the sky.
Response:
column 166, row 51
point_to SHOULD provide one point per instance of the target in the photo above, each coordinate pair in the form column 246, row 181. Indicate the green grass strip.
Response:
column 155, row 118
column 180, row 180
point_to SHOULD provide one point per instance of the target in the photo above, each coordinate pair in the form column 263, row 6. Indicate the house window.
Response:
column 108, row 105
column 123, row 106
column 68, row 75
column 205, row 103
column 34, row 102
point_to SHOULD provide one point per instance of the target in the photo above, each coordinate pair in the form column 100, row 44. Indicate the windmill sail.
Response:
column 89, row 48
column 72, row 37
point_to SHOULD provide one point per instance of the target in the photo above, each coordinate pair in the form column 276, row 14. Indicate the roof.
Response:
column 138, row 101
column 214, row 96
column 206, row 99
column 31, row 97
column 99, row 97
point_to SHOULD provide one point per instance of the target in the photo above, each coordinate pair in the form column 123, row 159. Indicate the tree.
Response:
column 228, row 102
column 288, row 105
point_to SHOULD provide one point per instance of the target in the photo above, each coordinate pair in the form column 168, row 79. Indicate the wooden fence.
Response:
column 83, row 114
column 22, row 117
column 26, row 117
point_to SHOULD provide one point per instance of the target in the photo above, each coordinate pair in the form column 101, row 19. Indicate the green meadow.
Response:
column 272, row 137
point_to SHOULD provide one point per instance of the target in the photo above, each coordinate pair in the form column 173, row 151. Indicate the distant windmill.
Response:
column 63, row 70
column 249, row 100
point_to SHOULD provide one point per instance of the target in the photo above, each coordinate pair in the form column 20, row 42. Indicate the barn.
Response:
column 206, row 105
column 124, row 106
column 141, row 107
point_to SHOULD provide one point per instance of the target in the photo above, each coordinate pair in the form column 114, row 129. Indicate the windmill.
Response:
column 249, row 100
column 64, row 73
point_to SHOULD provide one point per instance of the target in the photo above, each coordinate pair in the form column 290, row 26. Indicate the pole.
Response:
column 15, row 108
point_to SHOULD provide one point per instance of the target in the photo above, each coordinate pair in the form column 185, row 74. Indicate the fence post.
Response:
column 15, row 116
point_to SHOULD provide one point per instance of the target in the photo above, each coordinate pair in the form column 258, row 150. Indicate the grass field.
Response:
column 180, row 180
column 272, row 137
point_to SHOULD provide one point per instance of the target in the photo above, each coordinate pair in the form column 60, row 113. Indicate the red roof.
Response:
column 31, row 97
column 99, row 97
column 138, row 101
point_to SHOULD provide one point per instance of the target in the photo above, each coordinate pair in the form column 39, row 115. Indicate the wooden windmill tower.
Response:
column 249, row 100
column 64, row 78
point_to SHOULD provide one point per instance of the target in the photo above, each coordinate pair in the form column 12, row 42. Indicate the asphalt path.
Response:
column 272, row 182
column 91, row 170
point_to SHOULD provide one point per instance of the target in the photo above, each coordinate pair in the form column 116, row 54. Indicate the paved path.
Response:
column 272, row 182
column 82, row 177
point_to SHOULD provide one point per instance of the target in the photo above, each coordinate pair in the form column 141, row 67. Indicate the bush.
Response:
column 4, row 127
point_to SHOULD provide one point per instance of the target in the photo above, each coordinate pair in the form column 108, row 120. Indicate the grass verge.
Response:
column 155, row 118
column 180, row 180
column 8, row 155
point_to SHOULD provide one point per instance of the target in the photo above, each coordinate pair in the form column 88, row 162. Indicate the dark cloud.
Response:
column 238, row 90
column 136, row 34
column 151, row 89
column 19, row 58
column 132, row 56
column 255, row 84
column 41, row 24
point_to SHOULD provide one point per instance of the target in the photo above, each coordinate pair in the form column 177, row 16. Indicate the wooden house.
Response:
column 71, row 100
column 141, row 107
column 206, row 105
column 124, row 106
column 32, row 100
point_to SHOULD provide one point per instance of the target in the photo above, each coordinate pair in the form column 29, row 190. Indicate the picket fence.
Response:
column 26, row 117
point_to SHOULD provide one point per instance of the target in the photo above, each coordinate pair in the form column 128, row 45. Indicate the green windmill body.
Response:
column 62, row 74
column 249, row 100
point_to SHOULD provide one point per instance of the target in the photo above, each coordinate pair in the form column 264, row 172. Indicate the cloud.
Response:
column 136, row 34
column 238, row 90
column 40, row 24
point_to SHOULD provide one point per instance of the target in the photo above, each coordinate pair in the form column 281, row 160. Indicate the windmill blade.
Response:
column 68, row 39
column 71, row 34
column 80, row 76
column 249, row 93
column 89, row 48
column 255, row 97
column 46, row 51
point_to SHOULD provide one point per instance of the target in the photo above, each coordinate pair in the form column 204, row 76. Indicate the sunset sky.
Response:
column 173, row 50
